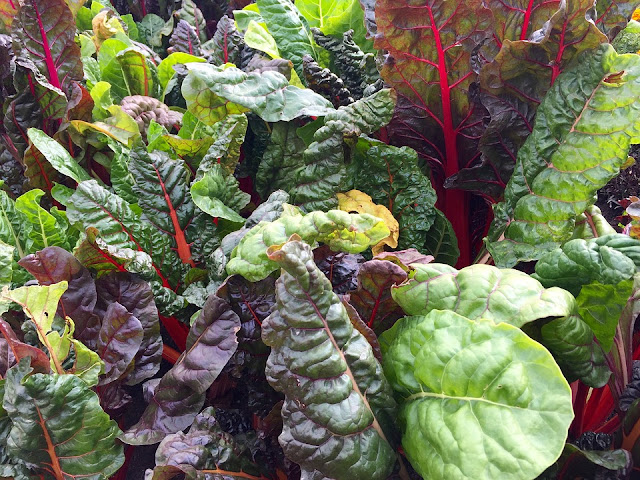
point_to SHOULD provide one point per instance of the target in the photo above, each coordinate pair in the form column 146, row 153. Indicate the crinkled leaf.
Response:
column 328, row 424
column 59, row 427
column 267, row 211
column 372, row 299
column 118, row 342
column 161, row 189
column 217, row 194
column 489, row 389
column 282, row 160
column 324, row 173
column 513, row 297
column 6, row 263
column 54, row 264
column 181, row 392
column 392, row 177
column 226, row 44
column 571, row 341
column 94, row 253
column 575, row 149
column 206, row 450
column 481, row 291
column 348, row 232
column 229, row 135
column 429, row 66
column 441, row 241
column 607, row 260
column 184, row 39
column 121, row 227
column 44, row 33
column 212, row 93
column 359, row 202
column 339, row 267
column 190, row 13
column 135, row 295
column 518, row 20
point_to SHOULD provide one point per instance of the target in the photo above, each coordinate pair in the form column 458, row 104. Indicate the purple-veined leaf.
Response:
column 429, row 66
column 134, row 295
column 184, row 39
column 118, row 341
column 181, row 392
column 339, row 267
column 44, row 32
column 19, row 350
column 372, row 299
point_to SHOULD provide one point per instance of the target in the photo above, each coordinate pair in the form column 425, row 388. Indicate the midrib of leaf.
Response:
column 44, row 236
column 443, row 396
column 13, row 233
column 51, row 67
column 348, row 372
column 51, row 451
column 184, row 250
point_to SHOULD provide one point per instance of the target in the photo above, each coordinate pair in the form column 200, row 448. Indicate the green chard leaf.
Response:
column 282, row 160
column 121, row 227
column 217, row 194
column 337, row 401
column 45, row 229
column 608, row 260
column 213, row 92
column 575, row 149
column 342, row 231
column 57, row 156
column 324, row 173
column 481, row 401
column 513, row 297
column 290, row 30
column 58, row 426
column 190, row 13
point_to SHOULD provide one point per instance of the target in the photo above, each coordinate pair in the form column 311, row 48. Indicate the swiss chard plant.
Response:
column 317, row 239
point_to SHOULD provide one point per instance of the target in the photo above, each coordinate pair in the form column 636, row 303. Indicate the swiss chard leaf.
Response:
column 609, row 260
column 328, row 425
column 392, row 177
column 44, row 33
column 572, row 152
column 475, row 383
column 510, row 296
column 212, row 93
column 324, row 173
column 179, row 396
column 134, row 295
column 342, row 231
column 54, row 264
column 58, row 426
column 290, row 30
column 118, row 342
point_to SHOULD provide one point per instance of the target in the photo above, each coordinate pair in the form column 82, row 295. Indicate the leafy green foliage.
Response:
column 342, row 231
column 538, row 213
column 337, row 421
column 58, row 427
column 476, row 384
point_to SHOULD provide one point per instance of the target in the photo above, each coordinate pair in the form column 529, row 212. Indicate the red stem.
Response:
column 51, row 66
column 456, row 201
column 177, row 331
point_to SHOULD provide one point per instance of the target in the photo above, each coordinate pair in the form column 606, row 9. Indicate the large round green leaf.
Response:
column 482, row 401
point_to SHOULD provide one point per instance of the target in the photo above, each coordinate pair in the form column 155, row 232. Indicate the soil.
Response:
column 624, row 185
